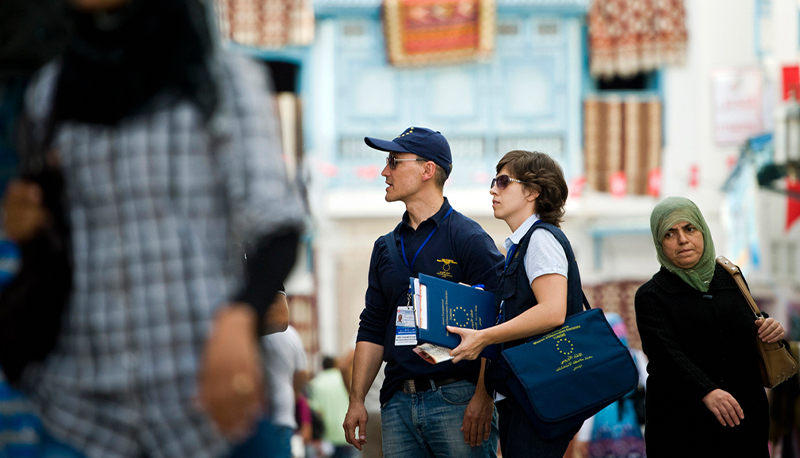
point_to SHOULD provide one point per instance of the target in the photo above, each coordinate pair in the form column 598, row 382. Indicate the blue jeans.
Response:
column 428, row 424
column 267, row 442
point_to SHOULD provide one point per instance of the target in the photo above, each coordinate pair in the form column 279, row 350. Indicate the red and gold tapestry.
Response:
column 422, row 32
column 632, row 36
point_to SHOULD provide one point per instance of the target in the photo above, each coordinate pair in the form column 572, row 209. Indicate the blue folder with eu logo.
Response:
column 440, row 303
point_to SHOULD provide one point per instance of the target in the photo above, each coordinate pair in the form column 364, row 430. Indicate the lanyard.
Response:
column 403, row 245
column 510, row 255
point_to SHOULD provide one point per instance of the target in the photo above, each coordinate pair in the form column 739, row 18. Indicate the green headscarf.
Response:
column 670, row 212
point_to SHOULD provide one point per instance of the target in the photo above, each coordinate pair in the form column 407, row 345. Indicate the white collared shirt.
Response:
column 544, row 256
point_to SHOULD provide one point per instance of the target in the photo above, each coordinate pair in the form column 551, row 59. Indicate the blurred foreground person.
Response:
column 172, row 167
column 704, row 393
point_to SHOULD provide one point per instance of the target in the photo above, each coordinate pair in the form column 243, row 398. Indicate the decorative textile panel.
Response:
column 267, row 23
column 622, row 141
column 420, row 32
column 631, row 36
column 617, row 297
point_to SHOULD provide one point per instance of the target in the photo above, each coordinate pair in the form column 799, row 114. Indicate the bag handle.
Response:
column 736, row 273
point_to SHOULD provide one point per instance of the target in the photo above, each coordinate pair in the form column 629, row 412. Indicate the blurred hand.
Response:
column 357, row 416
column 471, row 346
column 230, row 380
column 477, row 423
column 582, row 448
column 724, row 407
column 23, row 212
column 770, row 330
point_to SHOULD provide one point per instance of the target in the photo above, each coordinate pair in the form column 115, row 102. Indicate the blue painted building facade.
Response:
column 527, row 95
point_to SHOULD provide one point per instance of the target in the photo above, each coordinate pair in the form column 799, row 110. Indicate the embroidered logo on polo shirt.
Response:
column 445, row 272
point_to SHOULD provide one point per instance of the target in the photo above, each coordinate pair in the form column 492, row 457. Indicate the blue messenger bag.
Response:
column 569, row 374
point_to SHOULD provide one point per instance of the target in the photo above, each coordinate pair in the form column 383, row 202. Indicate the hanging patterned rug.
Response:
column 421, row 32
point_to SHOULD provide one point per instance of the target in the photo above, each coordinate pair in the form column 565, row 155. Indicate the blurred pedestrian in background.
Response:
column 615, row 431
column 171, row 157
column 287, row 374
column 310, row 427
column 329, row 397
column 704, row 392
column 784, row 414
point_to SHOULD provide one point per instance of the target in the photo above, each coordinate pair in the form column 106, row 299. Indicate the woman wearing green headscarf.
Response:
column 704, row 393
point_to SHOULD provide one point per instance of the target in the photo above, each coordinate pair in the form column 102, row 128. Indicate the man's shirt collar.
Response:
column 436, row 218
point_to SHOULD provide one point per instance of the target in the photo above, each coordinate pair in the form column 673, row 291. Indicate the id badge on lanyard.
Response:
column 406, row 328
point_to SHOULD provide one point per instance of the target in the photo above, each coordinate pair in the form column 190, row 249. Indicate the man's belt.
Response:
column 420, row 385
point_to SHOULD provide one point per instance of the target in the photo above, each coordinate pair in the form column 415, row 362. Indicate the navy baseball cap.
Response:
column 423, row 142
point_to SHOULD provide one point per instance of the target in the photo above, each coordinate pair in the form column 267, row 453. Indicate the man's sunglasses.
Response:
column 502, row 182
column 392, row 161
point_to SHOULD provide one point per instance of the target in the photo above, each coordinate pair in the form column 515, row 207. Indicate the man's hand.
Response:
column 770, row 330
column 471, row 346
column 230, row 379
column 356, row 417
column 23, row 212
column 477, row 424
column 724, row 407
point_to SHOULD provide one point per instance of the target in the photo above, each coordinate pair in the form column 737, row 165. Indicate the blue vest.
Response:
column 515, row 291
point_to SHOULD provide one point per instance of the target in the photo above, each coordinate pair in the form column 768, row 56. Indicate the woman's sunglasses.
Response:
column 392, row 161
column 502, row 182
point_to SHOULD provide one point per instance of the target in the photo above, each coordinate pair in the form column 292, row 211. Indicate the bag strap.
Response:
column 736, row 273
column 391, row 247
column 539, row 224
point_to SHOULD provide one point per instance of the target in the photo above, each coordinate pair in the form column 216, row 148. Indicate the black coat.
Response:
column 697, row 342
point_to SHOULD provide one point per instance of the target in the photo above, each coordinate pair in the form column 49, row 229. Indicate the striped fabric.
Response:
column 631, row 36
column 158, row 206
column 267, row 23
column 622, row 138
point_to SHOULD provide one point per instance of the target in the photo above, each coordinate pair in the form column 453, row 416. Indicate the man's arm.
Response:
column 366, row 364
column 346, row 366
column 477, row 423
column 276, row 318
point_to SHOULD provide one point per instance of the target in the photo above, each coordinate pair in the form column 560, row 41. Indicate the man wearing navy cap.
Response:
column 427, row 410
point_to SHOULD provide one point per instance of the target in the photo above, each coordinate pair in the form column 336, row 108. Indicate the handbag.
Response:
column 33, row 303
column 569, row 374
column 775, row 363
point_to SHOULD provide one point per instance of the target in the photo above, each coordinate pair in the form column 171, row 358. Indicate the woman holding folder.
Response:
column 539, row 280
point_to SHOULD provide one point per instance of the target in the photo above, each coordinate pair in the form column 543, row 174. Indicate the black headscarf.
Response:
column 117, row 63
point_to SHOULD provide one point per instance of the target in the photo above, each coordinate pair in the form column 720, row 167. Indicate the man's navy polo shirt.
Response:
column 460, row 251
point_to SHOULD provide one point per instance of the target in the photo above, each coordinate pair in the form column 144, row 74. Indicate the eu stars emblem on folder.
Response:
column 441, row 303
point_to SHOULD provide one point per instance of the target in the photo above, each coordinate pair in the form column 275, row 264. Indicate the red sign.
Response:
column 576, row 186
column 618, row 184
column 368, row 172
column 792, row 202
column 654, row 182
column 791, row 80
column 694, row 176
